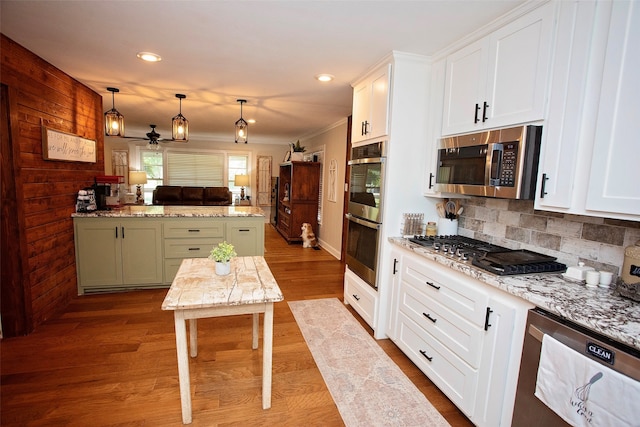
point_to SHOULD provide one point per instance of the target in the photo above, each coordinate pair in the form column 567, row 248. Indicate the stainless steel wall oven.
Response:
column 364, row 212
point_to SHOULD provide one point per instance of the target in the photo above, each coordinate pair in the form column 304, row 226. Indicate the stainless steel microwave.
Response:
column 499, row 163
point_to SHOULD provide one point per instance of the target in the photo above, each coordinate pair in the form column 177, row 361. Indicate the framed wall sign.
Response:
column 57, row 145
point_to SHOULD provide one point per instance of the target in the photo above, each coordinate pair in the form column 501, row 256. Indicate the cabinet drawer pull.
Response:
column 194, row 230
column 433, row 285
column 244, row 229
column 194, row 249
column 428, row 316
column 486, row 319
column 357, row 298
column 424, row 353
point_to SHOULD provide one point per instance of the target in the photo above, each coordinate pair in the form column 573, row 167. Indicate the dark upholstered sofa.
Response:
column 192, row 196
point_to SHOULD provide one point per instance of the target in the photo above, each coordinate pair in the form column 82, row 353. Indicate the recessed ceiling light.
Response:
column 324, row 77
column 149, row 56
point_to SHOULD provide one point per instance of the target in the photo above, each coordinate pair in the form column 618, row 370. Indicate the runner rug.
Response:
column 366, row 385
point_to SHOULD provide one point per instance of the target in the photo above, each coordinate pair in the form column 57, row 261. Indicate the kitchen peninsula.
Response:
column 137, row 247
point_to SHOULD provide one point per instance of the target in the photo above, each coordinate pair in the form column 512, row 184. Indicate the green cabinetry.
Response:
column 117, row 253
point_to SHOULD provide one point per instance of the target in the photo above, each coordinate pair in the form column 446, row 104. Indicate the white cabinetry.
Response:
column 614, row 184
column 466, row 336
column 588, row 149
column 500, row 80
column 371, row 106
column 362, row 297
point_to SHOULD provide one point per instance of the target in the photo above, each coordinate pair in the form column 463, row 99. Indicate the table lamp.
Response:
column 242, row 181
column 138, row 178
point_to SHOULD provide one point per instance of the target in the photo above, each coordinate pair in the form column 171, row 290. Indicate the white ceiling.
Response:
column 216, row 52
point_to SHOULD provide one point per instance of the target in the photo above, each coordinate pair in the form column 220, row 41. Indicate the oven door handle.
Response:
column 366, row 160
column 357, row 220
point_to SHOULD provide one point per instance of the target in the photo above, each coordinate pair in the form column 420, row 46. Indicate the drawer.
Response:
column 454, row 377
column 189, row 248
column 456, row 333
column 454, row 291
column 360, row 296
column 191, row 229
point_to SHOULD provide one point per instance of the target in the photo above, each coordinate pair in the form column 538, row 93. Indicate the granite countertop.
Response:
column 136, row 211
column 600, row 310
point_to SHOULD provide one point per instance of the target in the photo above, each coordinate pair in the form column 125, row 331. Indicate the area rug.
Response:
column 366, row 385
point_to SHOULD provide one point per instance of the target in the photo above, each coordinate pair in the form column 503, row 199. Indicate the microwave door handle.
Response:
column 496, row 164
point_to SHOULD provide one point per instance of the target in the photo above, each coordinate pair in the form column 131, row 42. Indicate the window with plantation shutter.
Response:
column 195, row 169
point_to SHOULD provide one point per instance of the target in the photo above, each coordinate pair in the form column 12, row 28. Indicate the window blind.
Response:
column 195, row 169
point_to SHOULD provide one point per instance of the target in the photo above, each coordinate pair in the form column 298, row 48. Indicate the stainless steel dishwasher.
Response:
column 528, row 409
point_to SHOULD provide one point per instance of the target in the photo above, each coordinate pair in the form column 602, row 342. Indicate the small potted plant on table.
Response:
column 222, row 255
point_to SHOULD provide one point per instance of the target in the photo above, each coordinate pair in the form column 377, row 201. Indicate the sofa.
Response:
column 192, row 196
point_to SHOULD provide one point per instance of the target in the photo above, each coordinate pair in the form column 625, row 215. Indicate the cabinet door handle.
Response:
column 116, row 232
column 433, row 285
column 194, row 230
column 194, row 249
column 486, row 319
column 395, row 264
column 484, row 112
column 428, row 316
column 366, row 127
column 543, row 186
column 475, row 116
column 362, row 128
column 122, row 229
column 430, row 181
column 424, row 353
column 357, row 298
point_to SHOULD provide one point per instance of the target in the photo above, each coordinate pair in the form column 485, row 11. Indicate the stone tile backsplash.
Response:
column 515, row 224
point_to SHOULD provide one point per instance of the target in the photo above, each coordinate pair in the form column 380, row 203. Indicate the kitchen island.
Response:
column 600, row 310
column 137, row 247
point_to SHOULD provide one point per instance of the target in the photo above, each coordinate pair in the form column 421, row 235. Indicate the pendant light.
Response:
column 113, row 120
column 179, row 124
column 242, row 127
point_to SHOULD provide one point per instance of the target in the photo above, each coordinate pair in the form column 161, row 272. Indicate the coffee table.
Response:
column 197, row 292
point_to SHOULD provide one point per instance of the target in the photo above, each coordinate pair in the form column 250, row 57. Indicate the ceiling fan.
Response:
column 153, row 137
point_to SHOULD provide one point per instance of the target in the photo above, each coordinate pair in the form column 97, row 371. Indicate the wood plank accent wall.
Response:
column 41, row 94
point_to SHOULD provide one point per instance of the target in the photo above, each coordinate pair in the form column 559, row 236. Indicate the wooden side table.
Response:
column 197, row 292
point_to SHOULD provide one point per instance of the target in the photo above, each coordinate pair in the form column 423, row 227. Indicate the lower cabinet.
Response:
column 133, row 253
column 362, row 297
column 118, row 253
column 465, row 335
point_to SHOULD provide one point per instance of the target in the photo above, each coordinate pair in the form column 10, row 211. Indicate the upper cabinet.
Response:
column 587, row 162
column 614, row 182
column 500, row 80
column 371, row 106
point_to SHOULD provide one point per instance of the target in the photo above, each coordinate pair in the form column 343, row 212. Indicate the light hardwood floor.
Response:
column 110, row 360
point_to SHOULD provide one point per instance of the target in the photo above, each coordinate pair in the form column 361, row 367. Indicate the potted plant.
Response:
column 222, row 255
column 296, row 152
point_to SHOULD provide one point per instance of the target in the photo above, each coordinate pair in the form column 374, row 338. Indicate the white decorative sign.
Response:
column 58, row 145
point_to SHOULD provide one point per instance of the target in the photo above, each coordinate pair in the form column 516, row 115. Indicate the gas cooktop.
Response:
column 493, row 258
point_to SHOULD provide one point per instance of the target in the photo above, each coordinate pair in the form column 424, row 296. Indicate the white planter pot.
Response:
column 223, row 268
column 297, row 156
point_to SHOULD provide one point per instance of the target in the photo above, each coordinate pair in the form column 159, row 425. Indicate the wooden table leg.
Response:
column 267, row 336
column 193, row 337
column 183, row 366
column 256, row 327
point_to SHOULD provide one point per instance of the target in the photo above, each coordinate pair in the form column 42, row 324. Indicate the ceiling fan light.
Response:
column 113, row 120
column 242, row 127
column 179, row 124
